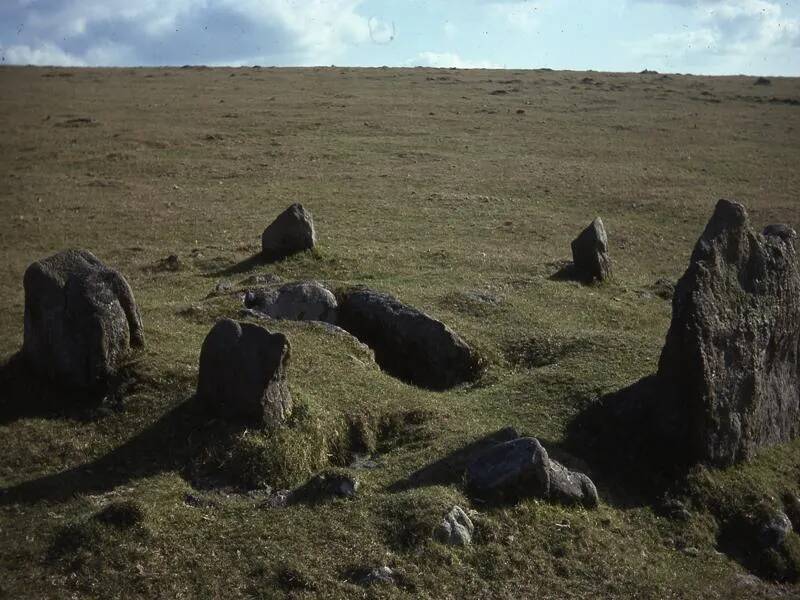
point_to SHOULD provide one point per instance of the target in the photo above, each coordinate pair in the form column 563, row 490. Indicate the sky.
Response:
column 716, row 37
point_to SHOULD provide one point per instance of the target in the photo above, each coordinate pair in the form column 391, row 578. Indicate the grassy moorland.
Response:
column 459, row 193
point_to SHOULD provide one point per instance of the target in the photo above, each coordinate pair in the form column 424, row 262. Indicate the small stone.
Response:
column 773, row 532
column 243, row 373
column 570, row 487
column 456, row 528
column 326, row 486
column 292, row 231
column 590, row 252
column 378, row 575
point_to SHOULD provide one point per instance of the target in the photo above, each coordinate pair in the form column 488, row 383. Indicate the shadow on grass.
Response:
column 631, row 440
column 27, row 394
column 166, row 445
column 259, row 259
column 569, row 272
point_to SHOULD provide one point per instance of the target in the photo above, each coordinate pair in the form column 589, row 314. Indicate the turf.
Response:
column 456, row 191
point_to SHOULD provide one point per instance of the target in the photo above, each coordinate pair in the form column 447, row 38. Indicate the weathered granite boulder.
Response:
column 298, row 301
column 243, row 374
column 510, row 471
column 291, row 231
column 521, row 468
column 732, row 353
column 570, row 487
column 456, row 528
column 590, row 252
column 408, row 343
column 80, row 319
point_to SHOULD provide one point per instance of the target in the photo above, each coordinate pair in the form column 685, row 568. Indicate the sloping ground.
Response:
column 426, row 184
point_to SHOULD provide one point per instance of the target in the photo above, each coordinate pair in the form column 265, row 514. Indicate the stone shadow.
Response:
column 169, row 444
column 26, row 394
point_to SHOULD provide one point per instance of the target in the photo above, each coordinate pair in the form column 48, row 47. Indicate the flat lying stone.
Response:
column 243, row 374
column 408, row 343
column 456, row 528
column 80, row 319
column 297, row 301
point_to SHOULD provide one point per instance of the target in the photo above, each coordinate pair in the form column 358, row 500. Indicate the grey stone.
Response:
column 590, row 252
column 81, row 319
column 510, row 471
column 521, row 468
column 779, row 230
column 243, row 373
column 732, row 353
column 292, row 231
column 772, row 533
column 456, row 528
column 570, row 487
column 408, row 343
column 326, row 486
column 378, row 575
column 298, row 301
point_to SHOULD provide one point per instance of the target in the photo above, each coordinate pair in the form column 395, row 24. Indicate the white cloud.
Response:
column 444, row 60
column 43, row 55
column 193, row 31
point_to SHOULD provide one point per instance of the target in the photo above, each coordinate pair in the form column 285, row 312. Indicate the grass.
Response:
column 466, row 213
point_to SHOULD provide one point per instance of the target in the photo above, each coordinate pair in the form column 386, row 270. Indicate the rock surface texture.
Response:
column 292, row 231
column 456, row 528
column 732, row 353
column 590, row 252
column 408, row 343
column 521, row 468
column 243, row 373
column 80, row 319
column 298, row 301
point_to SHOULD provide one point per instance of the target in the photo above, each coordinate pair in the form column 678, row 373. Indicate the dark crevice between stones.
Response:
column 408, row 344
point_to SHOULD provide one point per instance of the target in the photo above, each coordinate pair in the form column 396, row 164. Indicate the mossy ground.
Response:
column 422, row 184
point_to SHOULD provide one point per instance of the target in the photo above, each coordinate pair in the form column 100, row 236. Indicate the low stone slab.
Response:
column 408, row 343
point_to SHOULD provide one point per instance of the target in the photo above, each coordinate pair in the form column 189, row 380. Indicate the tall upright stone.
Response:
column 732, row 353
column 243, row 374
column 590, row 252
column 292, row 231
column 80, row 319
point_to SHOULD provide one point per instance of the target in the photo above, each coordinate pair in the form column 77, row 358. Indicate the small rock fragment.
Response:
column 326, row 486
column 456, row 528
column 378, row 575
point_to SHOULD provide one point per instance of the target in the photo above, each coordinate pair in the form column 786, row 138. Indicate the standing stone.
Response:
column 732, row 353
column 408, row 343
column 243, row 373
column 292, row 231
column 456, row 528
column 590, row 252
column 80, row 319
column 298, row 301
